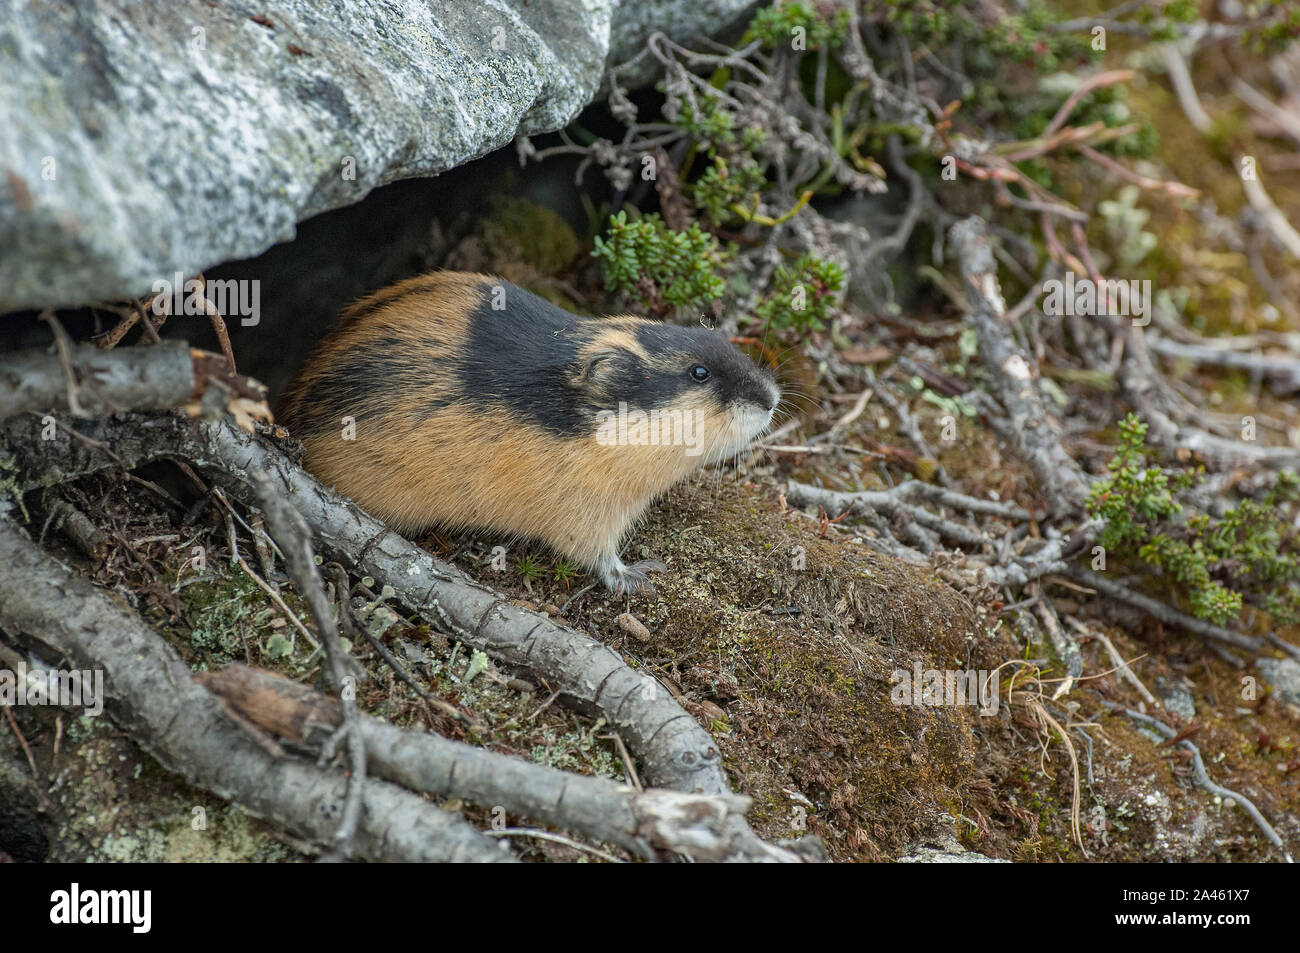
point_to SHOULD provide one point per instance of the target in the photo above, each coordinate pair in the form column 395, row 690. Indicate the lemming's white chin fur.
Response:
column 748, row 423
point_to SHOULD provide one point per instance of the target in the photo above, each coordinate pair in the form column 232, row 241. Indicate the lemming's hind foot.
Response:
column 621, row 579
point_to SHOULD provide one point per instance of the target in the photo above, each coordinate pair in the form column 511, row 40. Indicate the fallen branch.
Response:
column 702, row 827
column 93, row 382
column 1014, row 376
column 1181, row 79
column 1285, row 120
column 65, row 617
column 1150, row 394
column 893, row 502
column 1272, row 217
column 1223, row 452
column 1050, row 558
column 75, row 525
column 1283, row 372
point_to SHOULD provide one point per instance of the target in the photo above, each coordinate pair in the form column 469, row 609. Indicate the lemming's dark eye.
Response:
column 699, row 373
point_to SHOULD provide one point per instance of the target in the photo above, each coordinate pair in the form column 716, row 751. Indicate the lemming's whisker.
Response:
column 793, row 392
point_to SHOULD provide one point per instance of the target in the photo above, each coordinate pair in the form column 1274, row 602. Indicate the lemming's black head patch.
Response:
column 529, row 356
column 681, row 353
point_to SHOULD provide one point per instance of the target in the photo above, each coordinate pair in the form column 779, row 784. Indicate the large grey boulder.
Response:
column 139, row 139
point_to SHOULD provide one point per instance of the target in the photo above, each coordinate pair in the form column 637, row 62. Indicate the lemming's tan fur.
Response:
column 465, row 465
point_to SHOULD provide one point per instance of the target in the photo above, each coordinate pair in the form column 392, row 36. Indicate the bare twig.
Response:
column 1124, row 668
column 294, row 539
column 1184, row 88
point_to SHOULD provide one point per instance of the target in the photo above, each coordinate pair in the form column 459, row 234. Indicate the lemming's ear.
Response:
column 593, row 367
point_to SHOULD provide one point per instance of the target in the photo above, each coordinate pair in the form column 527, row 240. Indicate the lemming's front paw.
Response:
column 622, row 579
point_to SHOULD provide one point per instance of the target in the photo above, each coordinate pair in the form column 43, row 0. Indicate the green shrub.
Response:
column 801, row 296
column 1246, row 556
column 660, row 268
column 775, row 26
